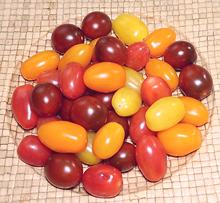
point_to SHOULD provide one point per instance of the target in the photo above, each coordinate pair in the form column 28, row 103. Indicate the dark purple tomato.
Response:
column 63, row 170
column 102, row 180
column 65, row 36
column 105, row 99
column 195, row 81
column 96, row 24
column 113, row 117
column 180, row 54
column 89, row 112
column 32, row 151
column 49, row 77
column 71, row 80
column 110, row 49
column 46, row 99
column 124, row 160
column 66, row 109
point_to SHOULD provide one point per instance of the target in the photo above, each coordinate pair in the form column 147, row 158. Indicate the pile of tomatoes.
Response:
column 89, row 100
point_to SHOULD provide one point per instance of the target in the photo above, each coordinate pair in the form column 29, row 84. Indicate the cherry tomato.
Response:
column 46, row 99
column 156, row 67
column 39, row 63
column 102, row 181
column 159, row 40
column 110, row 49
column 138, row 127
column 65, row 109
column 105, row 77
column 180, row 54
column 92, row 45
column 129, row 28
column 138, row 55
column 87, row 156
column 126, row 101
column 43, row 120
column 63, row 136
column 180, row 139
column 21, row 107
column 113, row 117
column 108, row 140
column 63, row 171
column 89, row 112
column 165, row 113
column 51, row 76
column 32, row 151
column 151, row 158
column 196, row 112
column 106, row 99
column 96, row 24
column 71, row 81
column 154, row 88
column 80, row 53
column 124, row 160
column 134, row 79
column 66, row 36
column 195, row 82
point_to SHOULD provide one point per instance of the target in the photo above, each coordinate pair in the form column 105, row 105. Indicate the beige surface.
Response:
column 25, row 27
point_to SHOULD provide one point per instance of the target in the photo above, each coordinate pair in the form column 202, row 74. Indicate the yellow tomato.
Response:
column 129, row 28
column 159, row 40
column 134, row 79
column 126, row 101
column 181, row 139
column 105, row 77
column 87, row 156
column 164, row 113
column 80, row 53
column 63, row 136
column 196, row 112
column 156, row 67
column 39, row 63
column 108, row 140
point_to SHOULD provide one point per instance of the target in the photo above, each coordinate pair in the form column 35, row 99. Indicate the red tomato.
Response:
column 43, row 120
column 71, row 80
column 138, row 127
column 65, row 109
column 32, row 151
column 51, row 76
column 21, row 107
column 102, row 181
column 154, row 88
column 151, row 158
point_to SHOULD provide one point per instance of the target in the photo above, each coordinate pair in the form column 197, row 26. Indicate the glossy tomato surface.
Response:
column 21, row 107
column 105, row 98
column 65, row 109
column 42, row 120
column 32, row 151
column 89, row 112
column 151, row 158
column 138, row 127
column 65, row 36
column 195, row 81
column 63, row 170
column 102, row 181
column 51, row 76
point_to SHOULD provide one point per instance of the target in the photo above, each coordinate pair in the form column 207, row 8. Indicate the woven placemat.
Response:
column 25, row 27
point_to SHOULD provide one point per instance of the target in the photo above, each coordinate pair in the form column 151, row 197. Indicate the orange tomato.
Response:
column 156, row 67
column 196, row 112
column 93, row 43
column 80, row 53
column 159, row 40
column 39, row 63
column 105, row 77
column 181, row 139
column 63, row 136
column 108, row 140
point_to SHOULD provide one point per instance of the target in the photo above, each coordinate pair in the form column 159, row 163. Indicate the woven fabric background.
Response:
column 25, row 27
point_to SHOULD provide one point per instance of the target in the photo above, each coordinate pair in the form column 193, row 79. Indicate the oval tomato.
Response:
column 21, row 107
column 180, row 139
column 51, row 76
column 151, row 158
column 63, row 136
column 39, row 63
column 105, row 77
